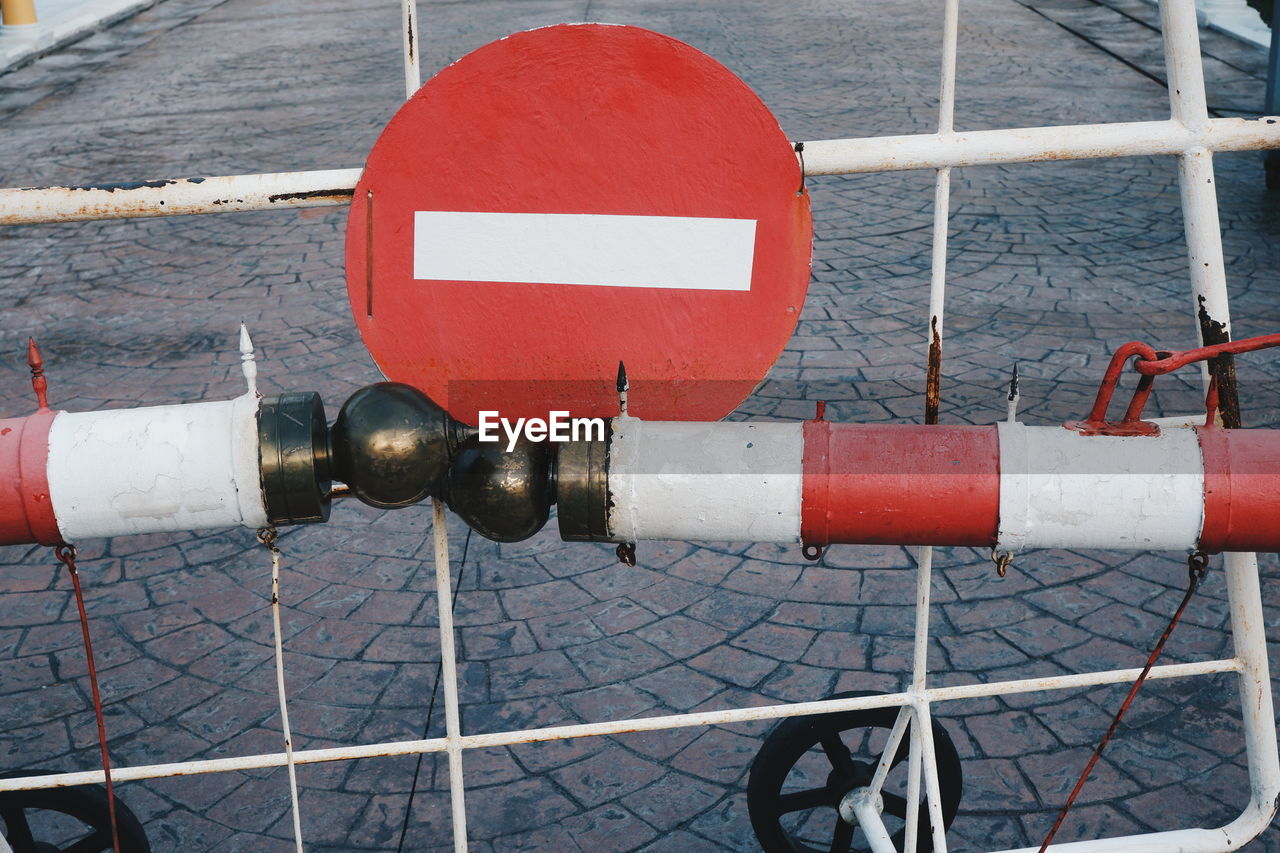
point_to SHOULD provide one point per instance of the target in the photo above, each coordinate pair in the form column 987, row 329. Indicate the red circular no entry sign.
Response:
column 570, row 197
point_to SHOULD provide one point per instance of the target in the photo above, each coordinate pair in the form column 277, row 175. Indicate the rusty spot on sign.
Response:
column 368, row 254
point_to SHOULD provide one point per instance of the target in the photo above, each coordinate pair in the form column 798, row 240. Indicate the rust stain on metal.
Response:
column 368, row 254
column 933, row 376
column 338, row 193
column 1222, row 368
column 409, row 28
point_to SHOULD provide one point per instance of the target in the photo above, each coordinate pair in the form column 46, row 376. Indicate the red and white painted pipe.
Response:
column 1009, row 486
column 68, row 477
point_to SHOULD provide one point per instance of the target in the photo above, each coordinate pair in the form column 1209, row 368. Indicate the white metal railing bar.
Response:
column 1207, row 269
column 933, row 790
column 453, row 740
column 179, row 196
column 1189, row 134
column 922, row 746
column 409, row 33
column 865, row 808
column 619, row 727
column 279, row 190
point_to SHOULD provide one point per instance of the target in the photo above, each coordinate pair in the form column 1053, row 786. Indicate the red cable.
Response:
column 67, row 554
column 1195, row 571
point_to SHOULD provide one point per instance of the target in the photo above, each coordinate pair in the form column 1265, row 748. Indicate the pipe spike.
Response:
column 623, row 386
column 38, row 383
column 248, row 365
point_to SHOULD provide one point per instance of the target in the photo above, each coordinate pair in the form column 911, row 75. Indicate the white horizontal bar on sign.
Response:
column 680, row 252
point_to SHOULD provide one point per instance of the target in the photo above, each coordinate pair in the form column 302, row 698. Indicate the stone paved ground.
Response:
column 1051, row 267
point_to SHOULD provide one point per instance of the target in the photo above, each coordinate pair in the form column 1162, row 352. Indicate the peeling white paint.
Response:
column 1061, row 489
column 158, row 469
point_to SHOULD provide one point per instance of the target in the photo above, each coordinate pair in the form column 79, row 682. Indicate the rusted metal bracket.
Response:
column 1149, row 364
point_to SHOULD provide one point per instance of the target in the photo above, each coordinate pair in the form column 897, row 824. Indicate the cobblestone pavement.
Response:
column 1051, row 267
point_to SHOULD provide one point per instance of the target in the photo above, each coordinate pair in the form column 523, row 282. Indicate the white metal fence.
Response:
column 1189, row 134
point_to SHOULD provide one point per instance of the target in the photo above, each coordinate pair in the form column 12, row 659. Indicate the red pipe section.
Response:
column 26, row 513
column 1241, row 490
column 900, row 484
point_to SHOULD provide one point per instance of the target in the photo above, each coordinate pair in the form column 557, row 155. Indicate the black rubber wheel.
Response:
column 806, row 766
column 85, row 804
column 1271, row 164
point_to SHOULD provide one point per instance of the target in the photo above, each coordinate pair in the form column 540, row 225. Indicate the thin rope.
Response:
column 1197, row 563
column 67, row 555
column 431, row 705
column 267, row 536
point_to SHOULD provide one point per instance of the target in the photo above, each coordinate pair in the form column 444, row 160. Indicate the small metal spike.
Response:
column 38, row 383
column 623, row 386
column 1014, row 395
column 247, row 363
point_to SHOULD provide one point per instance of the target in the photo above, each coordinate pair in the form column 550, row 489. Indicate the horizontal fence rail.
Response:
column 330, row 187
column 1189, row 134
column 618, row 727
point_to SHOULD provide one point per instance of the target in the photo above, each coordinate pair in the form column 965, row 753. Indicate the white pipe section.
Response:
column 1248, row 633
column 865, row 807
column 453, row 744
column 922, row 745
column 178, row 196
column 705, row 481
column 932, row 786
column 411, row 46
column 1189, row 106
column 1035, row 144
column 1175, row 841
column 1061, row 489
column 915, row 758
column 154, row 470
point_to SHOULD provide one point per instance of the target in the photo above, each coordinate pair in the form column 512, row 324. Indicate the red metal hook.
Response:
column 1150, row 364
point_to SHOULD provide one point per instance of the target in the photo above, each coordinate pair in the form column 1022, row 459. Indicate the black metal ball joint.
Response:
column 393, row 446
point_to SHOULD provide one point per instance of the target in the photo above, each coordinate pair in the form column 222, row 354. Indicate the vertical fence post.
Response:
column 1272, row 105
column 1209, row 291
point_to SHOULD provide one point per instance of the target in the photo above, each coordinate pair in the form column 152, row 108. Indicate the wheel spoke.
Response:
column 894, row 805
column 19, row 831
column 800, row 800
column 838, row 753
column 842, row 840
column 95, row 842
